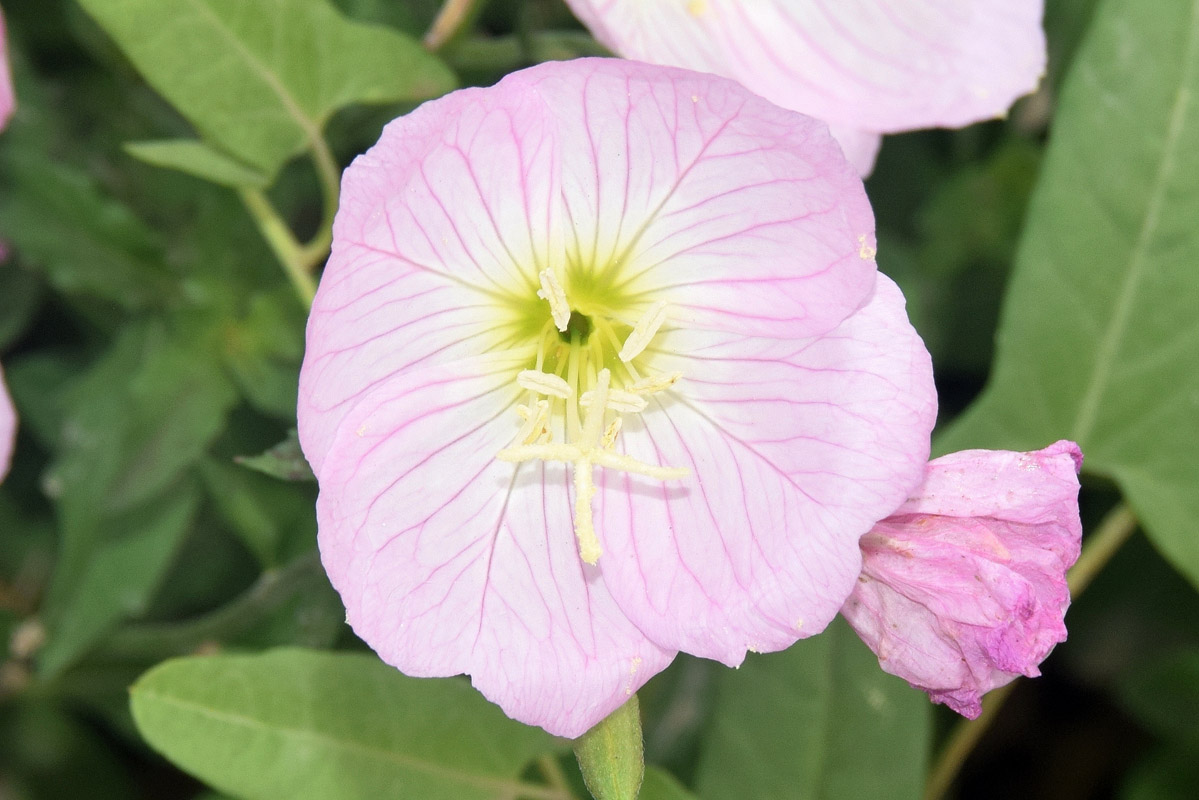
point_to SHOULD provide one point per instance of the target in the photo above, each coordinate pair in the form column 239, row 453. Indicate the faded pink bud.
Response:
column 964, row 587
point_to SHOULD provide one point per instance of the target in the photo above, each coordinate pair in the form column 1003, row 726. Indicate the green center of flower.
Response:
column 577, row 356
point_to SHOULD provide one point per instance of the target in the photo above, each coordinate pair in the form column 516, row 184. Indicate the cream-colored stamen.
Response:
column 544, row 383
column 610, row 434
column 652, row 384
column 624, row 402
column 553, row 293
column 639, row 338
column 535, row 429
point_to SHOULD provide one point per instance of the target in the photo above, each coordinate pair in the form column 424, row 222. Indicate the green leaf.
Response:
column 1163, row 774
column 143, row 414
column 330, row 726
column 263, row 349
column 109, row 569
column 258, row 80
column 264, row 513
column 1099, row 339
column 293, row 605
column 661, row 785
column 85, row 243
column 611, row 754
column 284, row 461
column 1165, row 696
column 198, row 159
column 819, row 721
column 20, row 293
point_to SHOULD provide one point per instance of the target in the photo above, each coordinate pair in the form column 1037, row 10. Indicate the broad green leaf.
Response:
column 330, row 726
column 1099, row 337
column 661, row 785
column 109, row 569
column 611, row 755
column 260, row 79
column 198, row 159
column 819, row 721
column 62, row 225
column 1165, row 696
column 137, row 419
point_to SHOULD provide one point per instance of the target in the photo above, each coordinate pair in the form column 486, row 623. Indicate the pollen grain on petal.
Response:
column 865, row 251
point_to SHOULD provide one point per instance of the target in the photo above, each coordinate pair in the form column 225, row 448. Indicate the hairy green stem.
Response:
column 1113, row 531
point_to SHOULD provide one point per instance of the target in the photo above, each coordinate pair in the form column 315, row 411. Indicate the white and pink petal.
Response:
column 450, row 561
column 796, row 448
column 442, row 224
column 686, row 186
column 876, row 66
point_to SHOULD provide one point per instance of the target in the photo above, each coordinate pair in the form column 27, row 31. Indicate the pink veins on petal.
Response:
column 866, row 68
column 601, row 369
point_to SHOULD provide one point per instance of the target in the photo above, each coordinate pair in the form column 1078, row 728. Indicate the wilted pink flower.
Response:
column 964, row 587
column 865, row 68
column 7, row 99
column 8, row 428
column 601, row 369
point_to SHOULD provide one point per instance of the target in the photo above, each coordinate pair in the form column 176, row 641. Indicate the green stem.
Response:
column 452, row 20
column 282, row 242
column 1113, row 531
column 329, row 175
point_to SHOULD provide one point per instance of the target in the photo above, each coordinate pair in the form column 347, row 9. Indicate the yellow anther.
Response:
column 535, row 419
column 643, row 331
column 544, row 383
column 553, row 293
column 653, row 384
column 610, row 434
column 624, row 402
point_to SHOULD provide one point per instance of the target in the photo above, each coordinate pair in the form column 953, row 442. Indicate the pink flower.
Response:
column 7, row 99
column 964, row 587
column 865, row 68
column 8, row 416
column 600, row 370
column 8, row 428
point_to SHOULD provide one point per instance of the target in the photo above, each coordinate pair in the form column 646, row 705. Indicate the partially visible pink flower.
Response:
column 964, row 587
column 7, row 99
column 8, row 416
column 601, row 369
column 866, row 68
column 8, row 428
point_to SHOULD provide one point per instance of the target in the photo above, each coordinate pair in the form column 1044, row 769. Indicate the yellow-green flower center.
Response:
column 580, row 346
